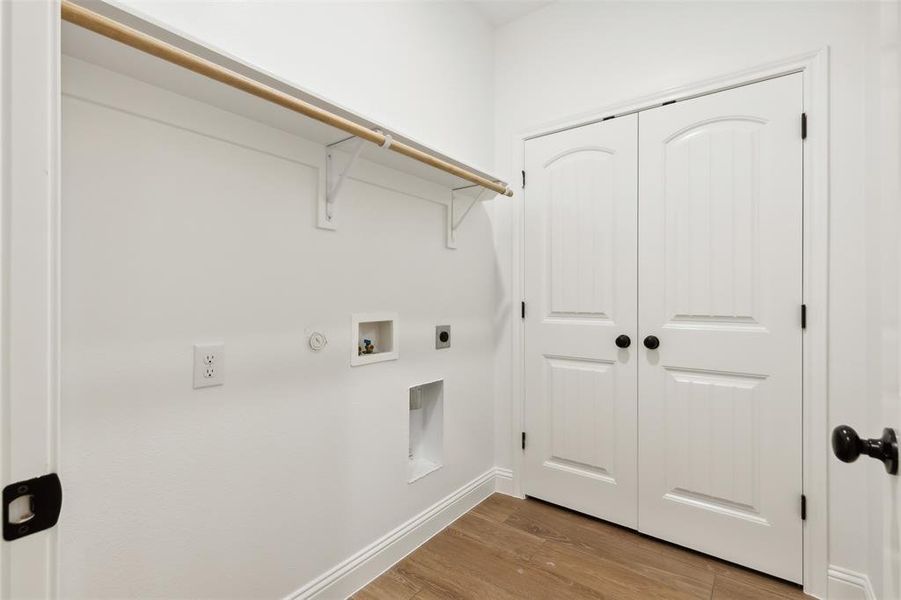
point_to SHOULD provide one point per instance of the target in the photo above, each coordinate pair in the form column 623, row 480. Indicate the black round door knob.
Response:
column 845, row 444
column 847, row 447
column 651, row 342
column 623, row 341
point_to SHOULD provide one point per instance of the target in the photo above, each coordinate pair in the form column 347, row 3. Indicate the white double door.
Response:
column 680, row 224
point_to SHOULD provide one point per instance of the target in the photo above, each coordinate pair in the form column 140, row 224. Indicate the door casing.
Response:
column 814, row 66
column 29, row 275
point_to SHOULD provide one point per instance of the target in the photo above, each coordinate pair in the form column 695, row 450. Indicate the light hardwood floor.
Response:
column 507, row 549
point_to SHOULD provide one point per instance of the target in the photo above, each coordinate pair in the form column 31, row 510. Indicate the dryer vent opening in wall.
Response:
column 426, row 444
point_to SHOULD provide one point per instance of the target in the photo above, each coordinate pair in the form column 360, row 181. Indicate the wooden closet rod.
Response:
column 114, row 30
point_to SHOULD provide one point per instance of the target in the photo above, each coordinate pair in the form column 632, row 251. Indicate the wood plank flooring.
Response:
column 506, row 549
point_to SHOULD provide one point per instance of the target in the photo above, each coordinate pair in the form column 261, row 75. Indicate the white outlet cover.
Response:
column 209, row 365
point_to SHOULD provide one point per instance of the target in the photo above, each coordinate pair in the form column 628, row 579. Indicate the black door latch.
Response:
column 44, row 497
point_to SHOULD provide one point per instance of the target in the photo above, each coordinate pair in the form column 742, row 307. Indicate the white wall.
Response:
column 424, row 68
column 181, row 224
column 576, row 57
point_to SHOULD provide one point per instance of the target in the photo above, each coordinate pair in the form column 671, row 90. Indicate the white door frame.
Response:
column 29, row 270
column 815, row 68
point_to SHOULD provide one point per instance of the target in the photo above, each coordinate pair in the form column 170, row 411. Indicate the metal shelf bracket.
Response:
column 334, row 180
column 460, row 196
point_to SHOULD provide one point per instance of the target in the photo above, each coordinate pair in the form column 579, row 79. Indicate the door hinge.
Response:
column 523, row 180
column 35, row 504
column 803, row 126
column 803, row 316
column 523, row 440
column 523, row 309
column 803, row 507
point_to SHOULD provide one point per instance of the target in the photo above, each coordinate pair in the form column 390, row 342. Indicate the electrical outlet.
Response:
column 209, row 365
column 442, row 337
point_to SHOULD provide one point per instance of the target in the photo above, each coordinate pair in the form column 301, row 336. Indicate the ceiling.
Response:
column 501, row 12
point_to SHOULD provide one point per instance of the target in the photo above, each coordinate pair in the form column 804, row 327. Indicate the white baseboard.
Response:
column 504, row 479
column 845, row 584
column 352, row 574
